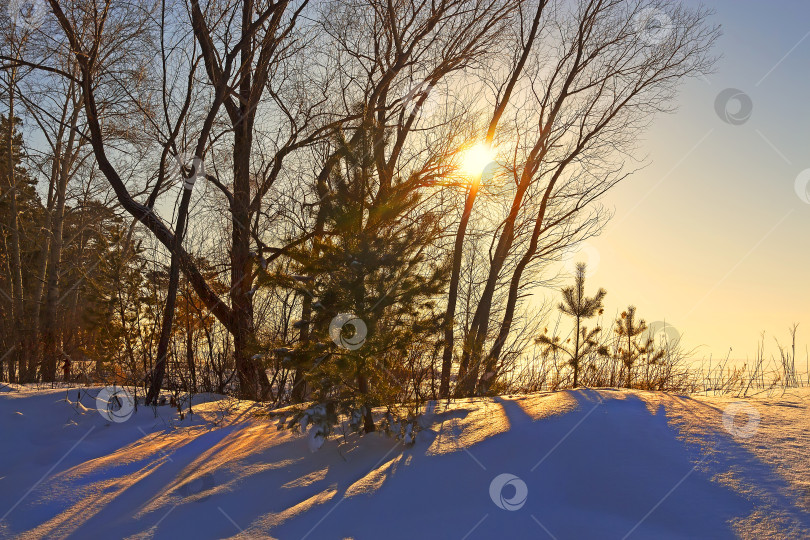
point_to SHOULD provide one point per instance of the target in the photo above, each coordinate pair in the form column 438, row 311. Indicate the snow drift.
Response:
column 574, row 464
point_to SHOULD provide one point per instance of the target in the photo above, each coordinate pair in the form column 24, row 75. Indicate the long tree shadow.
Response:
column 599, row 464
column 778, row 506
column 605, row 470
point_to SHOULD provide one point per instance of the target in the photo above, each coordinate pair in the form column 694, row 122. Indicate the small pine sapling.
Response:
column 580, row 307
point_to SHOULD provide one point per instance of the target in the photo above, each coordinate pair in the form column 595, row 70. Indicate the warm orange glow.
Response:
column 475, row 159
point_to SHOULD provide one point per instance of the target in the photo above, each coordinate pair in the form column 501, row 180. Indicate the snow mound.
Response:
column 573, row 464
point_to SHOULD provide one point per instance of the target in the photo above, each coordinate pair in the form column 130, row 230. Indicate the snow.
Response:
column 573, row 464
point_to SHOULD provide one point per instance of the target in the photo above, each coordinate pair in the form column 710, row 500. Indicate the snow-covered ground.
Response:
column 574, row 464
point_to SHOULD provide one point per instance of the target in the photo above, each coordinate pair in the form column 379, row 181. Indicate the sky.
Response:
column 713, row 236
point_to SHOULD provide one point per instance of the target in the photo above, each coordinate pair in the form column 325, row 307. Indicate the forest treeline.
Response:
column 341, row 203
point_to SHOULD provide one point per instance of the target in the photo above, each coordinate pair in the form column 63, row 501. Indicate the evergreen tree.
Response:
column 21, row 216
column 99, row 308
column 373, row 286
column 633, row 343
column 580, row 307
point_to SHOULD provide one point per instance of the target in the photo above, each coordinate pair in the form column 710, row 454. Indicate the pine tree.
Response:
column 98, row 314
column 372, row 287
column 633, row 343
column 21, row 216
column 580, row 307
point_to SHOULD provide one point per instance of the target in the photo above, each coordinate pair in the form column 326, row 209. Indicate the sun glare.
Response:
column 475, row 159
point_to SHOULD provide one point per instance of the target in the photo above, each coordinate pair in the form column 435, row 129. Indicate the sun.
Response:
column 475, row 159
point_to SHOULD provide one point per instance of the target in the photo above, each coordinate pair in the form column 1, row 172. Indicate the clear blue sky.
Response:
column 720, row 239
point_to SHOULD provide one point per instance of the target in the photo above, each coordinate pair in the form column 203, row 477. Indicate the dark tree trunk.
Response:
column 64, row 156
column 15, row 266
column 368, row 417
column 471, row 358
column 576, row 356
column 253, row 383
column 447, row 357
column 452, row 296
column 50, row 335
column 159, row 371
column 50, row 332
column 299, row 388
column 192, row 370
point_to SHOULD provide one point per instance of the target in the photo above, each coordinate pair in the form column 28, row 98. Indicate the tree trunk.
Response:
column 514, row 287
column 253, row 382
column 576, row 355
column 447, row 357
column 629, row 352
column 491, row 365
column 192, row 370
column 299, row 388
column 368, row 417
column 471, row 358
column 159, row 372
column 18, row 315
column 452, row 296
column 50, row 335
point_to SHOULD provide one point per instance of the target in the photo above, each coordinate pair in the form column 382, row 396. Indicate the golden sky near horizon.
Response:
column 714, row 235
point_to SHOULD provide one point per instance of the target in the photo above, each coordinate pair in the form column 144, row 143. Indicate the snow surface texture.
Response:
column 573, row 464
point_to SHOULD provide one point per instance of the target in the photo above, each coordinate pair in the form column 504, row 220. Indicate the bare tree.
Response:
column 501, row 102
column 237, row 81
column 55, row 106
column 598, row 81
